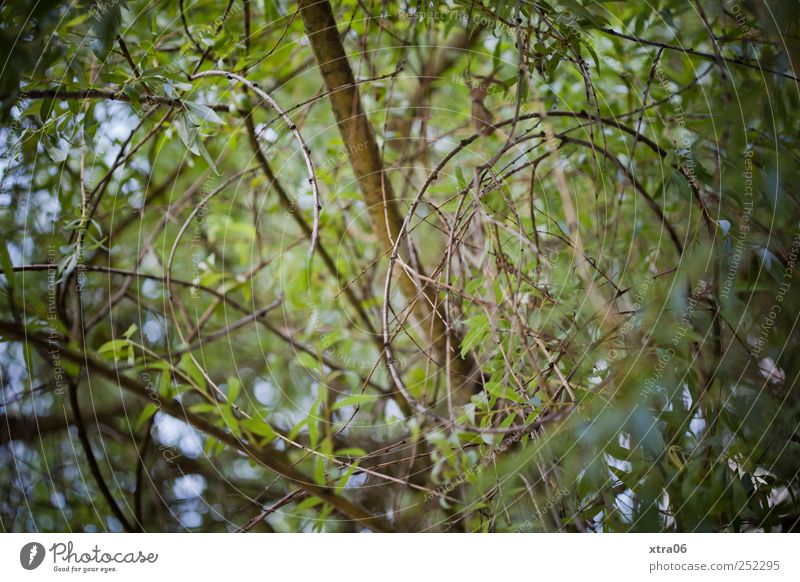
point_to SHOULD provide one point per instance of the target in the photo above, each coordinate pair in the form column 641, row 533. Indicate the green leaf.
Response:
column 188, row 365
column 462, row 182
column 165, row 383
column 355, row 400
column 260, row 428
column 319, row 471
column 105, row 28
column 117, row 348
column 342, row 481
column 58, row 151
column 46, row 108
column 187, row 132
column 307, row 361
column 203, row 112
column 234, row 388
column 207, row 157
column 230, row 420
column 8, row 267
column 478, row 326
column 313, row 430
column 308, row 504
column 502, row 391
column 148, row 413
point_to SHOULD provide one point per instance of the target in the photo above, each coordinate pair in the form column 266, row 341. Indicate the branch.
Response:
column 93, row 466
column 287, row 203
column 132, row 64
column 24, row 428
column 700, row 54
column 365, row 159
column 110, row 94
column 268, row 458
column 306, row 152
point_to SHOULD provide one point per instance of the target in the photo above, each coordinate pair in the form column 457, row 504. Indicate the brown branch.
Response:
column 305, row 151
column 440, row 60
column 268, row 458
column 376, row 188
column 93, row 465
column 132, row 64
column 700, row 54
column 109, row 94
column 140, row 473
column 24, row 428
column 291, row 208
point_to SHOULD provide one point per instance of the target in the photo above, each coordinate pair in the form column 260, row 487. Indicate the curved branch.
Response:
column 700, row 54
column 376, row 188
column 93, row 466
column 268, row 458
column 312, row 178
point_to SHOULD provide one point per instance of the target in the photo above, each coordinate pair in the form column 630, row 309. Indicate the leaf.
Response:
column 231, row 421
column 8, row 267
column 203, row 408
column 117, row 348
column 148, row 412
column 342, row 481
column 46, row 108
column 187, row 132
column 501, row 391
column 204, row 112
column 188, row 365
column 131, row 330
column 105, row 27
column 134, row 94
column 478, row 326
column 307, row 361
column 319, row 471
column 260, row 428
column 313, row 429
column 592, row 52
column 307, row 504
column 355, row 400
column 551, row 64
column 462, row 181
column 165, row 383
column 58, row 152
column 207, row 157
column 234, row 388
column 681, row 185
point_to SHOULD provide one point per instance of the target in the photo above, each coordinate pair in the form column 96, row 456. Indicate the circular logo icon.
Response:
column 31, row 555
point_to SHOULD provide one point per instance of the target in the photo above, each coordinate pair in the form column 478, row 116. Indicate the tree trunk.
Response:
column 375, row 186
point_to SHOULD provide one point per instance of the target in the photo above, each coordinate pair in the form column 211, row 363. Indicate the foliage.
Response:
column 602, row 204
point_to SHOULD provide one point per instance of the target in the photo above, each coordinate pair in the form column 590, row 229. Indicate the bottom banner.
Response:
column 342, row 557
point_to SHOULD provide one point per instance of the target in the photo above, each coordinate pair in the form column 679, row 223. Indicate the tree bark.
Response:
column 376, row 188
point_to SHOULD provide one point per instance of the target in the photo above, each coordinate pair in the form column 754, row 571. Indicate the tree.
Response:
column 453, row 266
